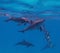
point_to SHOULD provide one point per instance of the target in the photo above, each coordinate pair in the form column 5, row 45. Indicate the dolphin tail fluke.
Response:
column 47, row 47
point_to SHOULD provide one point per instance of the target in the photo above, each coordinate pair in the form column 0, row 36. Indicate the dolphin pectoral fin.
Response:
column 40, row 29
column 30, row 45
column 25, row 29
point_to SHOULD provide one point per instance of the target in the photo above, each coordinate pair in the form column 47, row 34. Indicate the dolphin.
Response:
column 47, row 37
column 33, row 25
column 20, row 20
column 25, row 43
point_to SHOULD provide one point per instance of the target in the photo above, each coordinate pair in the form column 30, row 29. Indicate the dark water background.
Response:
column 9, row 35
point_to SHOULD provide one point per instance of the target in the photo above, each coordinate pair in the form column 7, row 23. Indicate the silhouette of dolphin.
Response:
column 33, row 24
column 18, row 20
column 47, row 37
column 25, row 43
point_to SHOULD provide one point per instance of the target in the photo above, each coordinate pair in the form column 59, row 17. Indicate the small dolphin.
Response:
column 25, row 43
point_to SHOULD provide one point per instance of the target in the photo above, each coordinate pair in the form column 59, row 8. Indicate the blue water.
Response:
column 9, row 35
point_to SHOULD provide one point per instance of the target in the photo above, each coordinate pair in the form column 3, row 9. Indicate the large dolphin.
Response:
column 33, row 24
column 20, row 20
